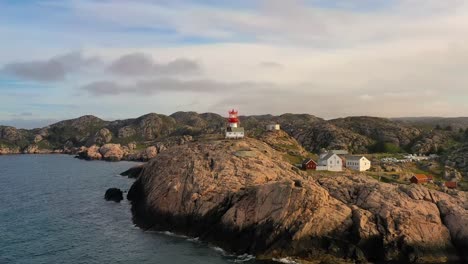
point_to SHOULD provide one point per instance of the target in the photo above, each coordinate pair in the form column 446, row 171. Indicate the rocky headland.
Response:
column 245, row 197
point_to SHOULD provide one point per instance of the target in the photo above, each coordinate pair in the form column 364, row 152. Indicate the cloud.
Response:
column 271, row 65
column 149, row 87
column 143, row 64
column 366, row 97
column 54, row 69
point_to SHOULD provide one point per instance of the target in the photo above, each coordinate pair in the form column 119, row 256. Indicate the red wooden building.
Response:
column 451, row 184
column 420, row 178
column 309, row 164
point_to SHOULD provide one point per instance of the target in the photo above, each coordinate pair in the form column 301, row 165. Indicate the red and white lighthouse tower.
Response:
column 233, row 118
column 233, row 130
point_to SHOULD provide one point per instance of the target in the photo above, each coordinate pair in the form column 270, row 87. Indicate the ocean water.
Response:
column 52, row 211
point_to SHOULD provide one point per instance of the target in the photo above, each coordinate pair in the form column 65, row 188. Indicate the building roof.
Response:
column 307, row 161
column 422, row 177
column 328, row 156
column 451, row 184
column 354, row 157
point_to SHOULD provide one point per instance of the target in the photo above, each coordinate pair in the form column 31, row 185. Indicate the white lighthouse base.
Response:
column 234, row 135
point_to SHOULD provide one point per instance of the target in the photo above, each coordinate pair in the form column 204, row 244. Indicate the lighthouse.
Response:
column 233, row 129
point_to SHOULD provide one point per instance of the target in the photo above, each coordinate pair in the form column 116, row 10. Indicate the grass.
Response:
column 293, row 159
column 245, row 153
column 386, row 177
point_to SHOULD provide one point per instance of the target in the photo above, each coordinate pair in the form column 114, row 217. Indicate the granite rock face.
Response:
column 91, row 153
column 242, row 196
column 112, row 152
column 459, row 159
column 9, row 150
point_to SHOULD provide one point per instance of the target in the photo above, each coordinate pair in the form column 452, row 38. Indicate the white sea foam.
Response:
column 243, row 258
column 168, row 233
column 285, row 260
column 194, row 239
column 222, row 251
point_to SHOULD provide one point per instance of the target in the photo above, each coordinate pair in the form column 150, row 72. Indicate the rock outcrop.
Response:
column 133, row 172
column 459, row 159
column 101, row 137
column 113, row 194
column 111, row 152
column 242, row 196
column 91, row 153
column 9, row 150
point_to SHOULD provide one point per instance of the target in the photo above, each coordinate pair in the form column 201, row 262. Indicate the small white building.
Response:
column 234, row 132
column 358, row 163
column 273, row 127
column 330, row 162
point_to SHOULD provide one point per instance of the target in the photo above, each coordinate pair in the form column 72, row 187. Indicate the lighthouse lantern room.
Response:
column 233, row 130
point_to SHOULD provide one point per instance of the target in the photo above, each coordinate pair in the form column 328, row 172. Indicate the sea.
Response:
column 52, row 210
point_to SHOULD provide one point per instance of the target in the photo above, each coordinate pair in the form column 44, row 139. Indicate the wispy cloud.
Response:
column 54, row 69
column 143, row 64
column 271, row 65
column 148, row 87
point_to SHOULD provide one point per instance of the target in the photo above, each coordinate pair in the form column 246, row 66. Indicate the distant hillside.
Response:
column 432, row 122
column 357, row 134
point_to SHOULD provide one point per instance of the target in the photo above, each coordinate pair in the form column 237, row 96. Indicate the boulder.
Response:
column 149, row 153
column 114, row 194
column 103, row 136
column 132, row 146
column 111, row 152
column 91, row 153
column 31, row 149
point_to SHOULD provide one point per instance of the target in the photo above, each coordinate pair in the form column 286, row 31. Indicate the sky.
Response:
column 330, row 58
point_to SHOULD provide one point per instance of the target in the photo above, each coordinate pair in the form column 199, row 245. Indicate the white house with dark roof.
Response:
column 273, row 127
column 330, row 162
column 358, row 163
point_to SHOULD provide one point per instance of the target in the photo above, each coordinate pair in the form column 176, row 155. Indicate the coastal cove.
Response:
column 53, row 211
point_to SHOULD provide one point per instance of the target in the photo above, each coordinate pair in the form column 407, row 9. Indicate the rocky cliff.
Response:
column 243, row 196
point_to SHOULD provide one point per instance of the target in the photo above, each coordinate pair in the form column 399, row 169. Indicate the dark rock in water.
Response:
column 114, row 194
column 133, row 172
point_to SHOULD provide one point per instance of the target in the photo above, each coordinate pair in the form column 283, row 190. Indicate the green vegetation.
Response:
column 43, row 145
column 385, row 147
column 293, row 159
column 7, row 144
column 387, row 177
